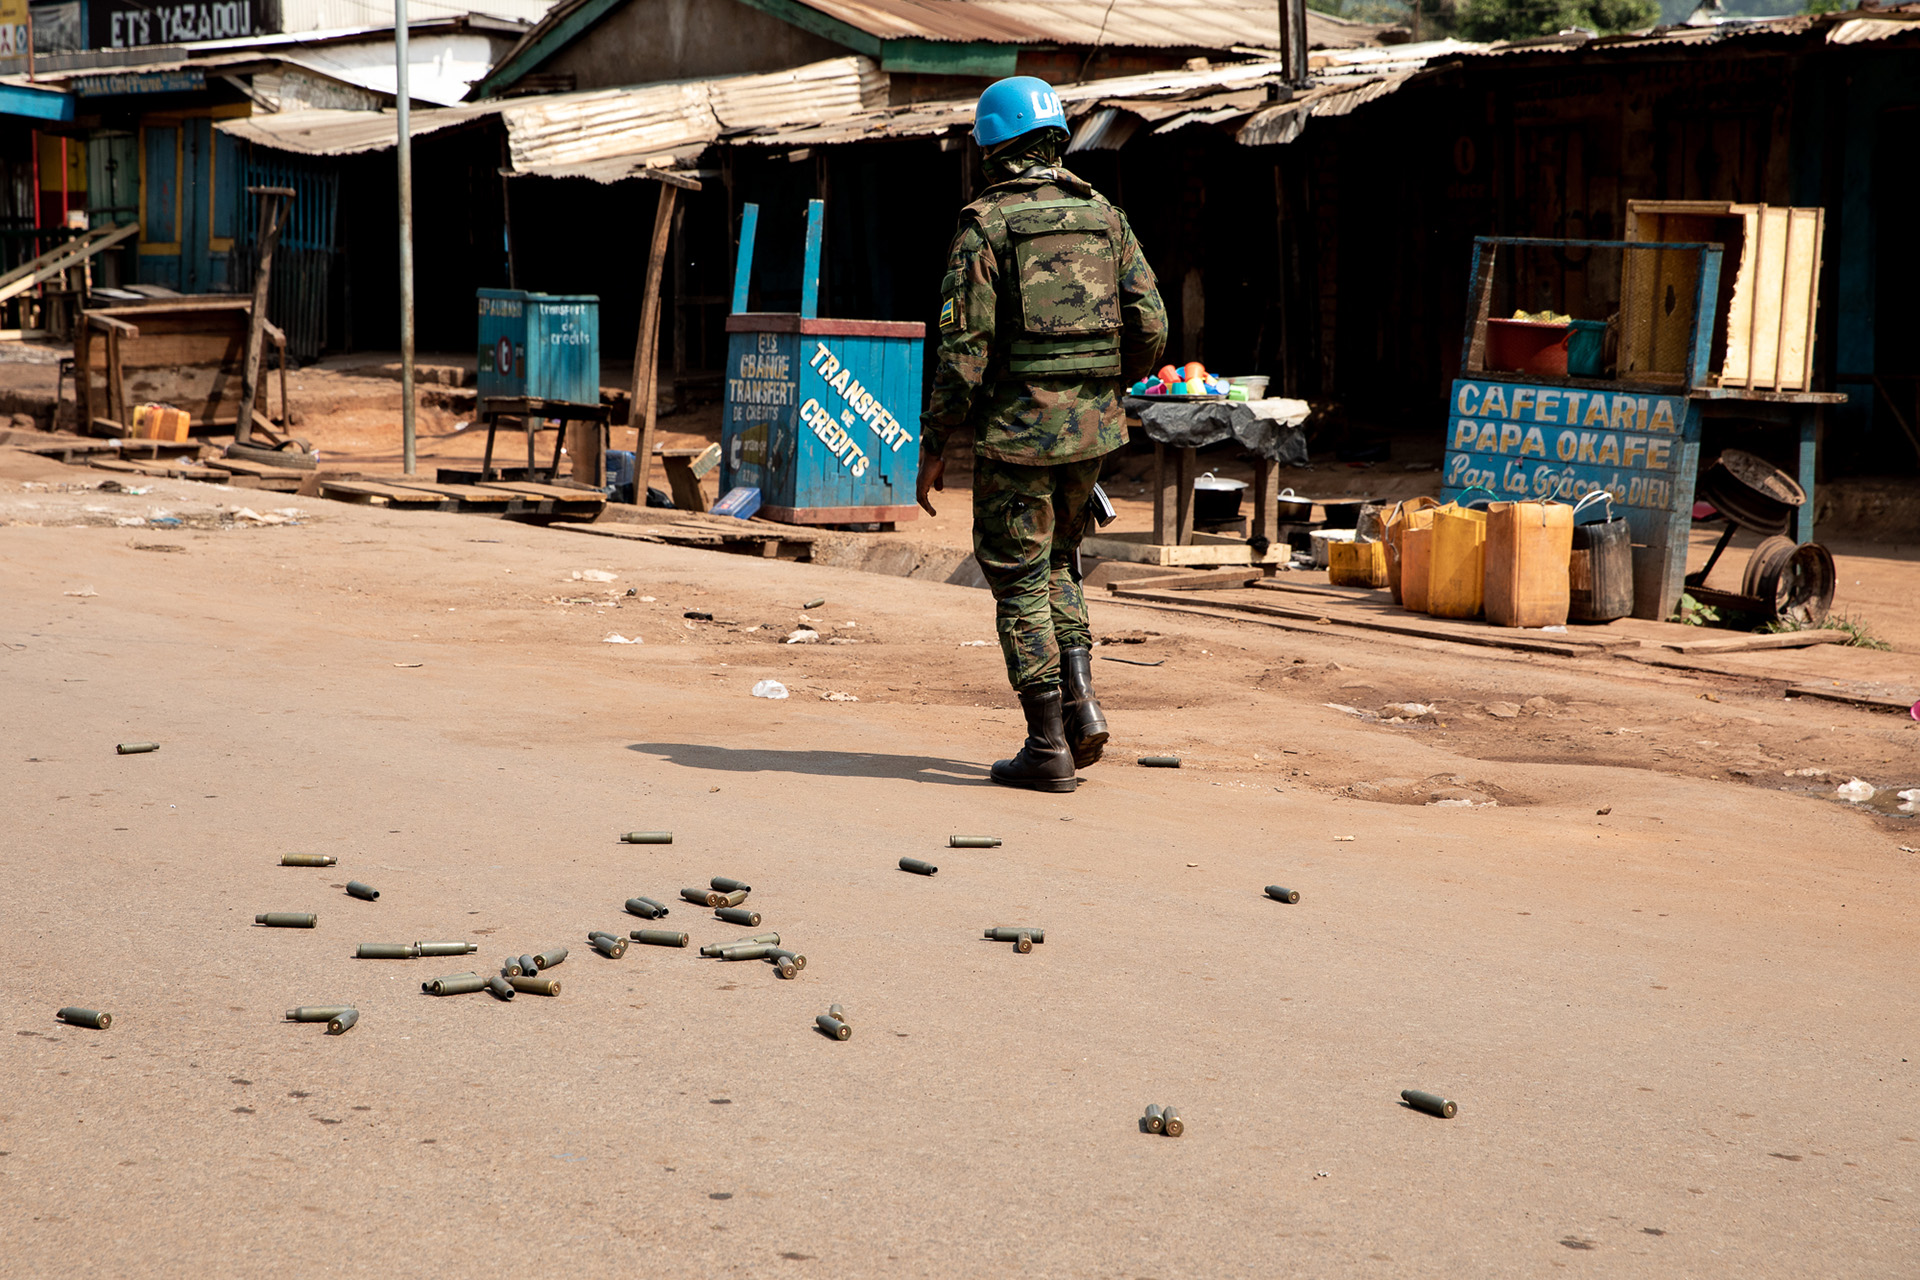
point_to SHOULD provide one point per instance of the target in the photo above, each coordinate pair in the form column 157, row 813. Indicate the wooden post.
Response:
column 644, row 405
column 116, row 382
column 1163, row 496
column 273, row 208
column 1266, row 502
column 1188, row 468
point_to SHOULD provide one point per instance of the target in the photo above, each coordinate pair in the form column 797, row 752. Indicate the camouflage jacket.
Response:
column 1032, row 418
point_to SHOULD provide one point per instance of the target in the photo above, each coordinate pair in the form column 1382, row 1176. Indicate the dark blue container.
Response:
column 619, row 470
column 544, row 346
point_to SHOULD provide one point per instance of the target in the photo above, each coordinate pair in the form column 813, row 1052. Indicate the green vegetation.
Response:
column 1858, row 636
column 1525, row 19
column 1692, row 613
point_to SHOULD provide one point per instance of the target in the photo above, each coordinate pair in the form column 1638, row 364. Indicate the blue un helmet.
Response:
column 1016, row 105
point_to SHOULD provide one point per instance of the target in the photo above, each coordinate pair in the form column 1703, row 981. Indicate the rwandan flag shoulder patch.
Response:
column 949, row 315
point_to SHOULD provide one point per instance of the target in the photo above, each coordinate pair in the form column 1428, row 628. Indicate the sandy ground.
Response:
column 1720, row 1087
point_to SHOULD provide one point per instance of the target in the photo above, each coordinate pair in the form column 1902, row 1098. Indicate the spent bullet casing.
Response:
column 344, row 1023
column 307, row 859
column 659, row 937
column 814, row 604
column 287, row 920
column 1154, row 1121
column 550, row 957
column 1023, row 942
column 360, row 889
column 734, row 897
column 447, row 948
column 1012, row 932
column 738, row 915
column 973, row 842
column 752, row 951
column 528, row 967
column 135, row 748
column 317, row 1012
column 1280, row 894
column 724, row 885
column 714, row 949
column 793, row 957
column 455, row 984
column 705, row 897
column 1170, row 1122
column 835, row 1012
column 500, row 987
column 385, row 951
column 918, row 867
column 647, row 837
column 510, row 968
column 1160, row 762
column 833, row 1026
column 1431, row 1103
column 536, row 986
column 646, row 908
column 611, row 948
column 78, row 1017
column 783, row 966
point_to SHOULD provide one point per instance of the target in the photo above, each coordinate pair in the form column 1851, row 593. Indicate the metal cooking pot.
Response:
column 1294, row 510
column 1216, row 500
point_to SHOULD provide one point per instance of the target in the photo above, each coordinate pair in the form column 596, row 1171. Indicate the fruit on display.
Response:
column 1543, row 317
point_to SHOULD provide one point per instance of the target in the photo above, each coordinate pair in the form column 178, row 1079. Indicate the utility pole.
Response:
column 1293, row 41
column 404, row 154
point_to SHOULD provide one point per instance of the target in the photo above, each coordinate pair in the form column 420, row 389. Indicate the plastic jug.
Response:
column 1416, row 563
column 1414, row 513
column 1357, row 564
column 1528, row 544
column 1456, row 579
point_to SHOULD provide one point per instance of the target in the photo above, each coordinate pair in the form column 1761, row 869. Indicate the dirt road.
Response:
column 1675, row 1005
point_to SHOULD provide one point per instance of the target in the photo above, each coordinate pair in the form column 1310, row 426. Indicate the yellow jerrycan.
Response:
column 1413, row 513
column 1456, row 579
column 1528, row 547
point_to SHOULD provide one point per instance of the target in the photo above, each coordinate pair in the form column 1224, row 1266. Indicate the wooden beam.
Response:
column 645, row 404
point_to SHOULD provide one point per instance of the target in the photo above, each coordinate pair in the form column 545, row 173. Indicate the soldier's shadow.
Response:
column 826, row 764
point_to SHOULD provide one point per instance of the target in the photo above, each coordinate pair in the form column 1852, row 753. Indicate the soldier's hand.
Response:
column 933, row 475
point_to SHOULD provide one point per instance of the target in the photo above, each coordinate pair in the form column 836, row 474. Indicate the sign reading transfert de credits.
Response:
column 1527, row 442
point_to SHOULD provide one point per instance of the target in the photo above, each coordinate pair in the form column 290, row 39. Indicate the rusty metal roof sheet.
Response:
column 603, row 134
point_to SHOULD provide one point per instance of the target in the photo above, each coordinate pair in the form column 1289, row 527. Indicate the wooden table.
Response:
column 532, row 412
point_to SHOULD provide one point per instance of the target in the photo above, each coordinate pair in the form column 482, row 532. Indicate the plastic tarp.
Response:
column 1268, row 428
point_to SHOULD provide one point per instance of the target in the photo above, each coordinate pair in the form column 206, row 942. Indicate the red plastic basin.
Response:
column 1527, row 346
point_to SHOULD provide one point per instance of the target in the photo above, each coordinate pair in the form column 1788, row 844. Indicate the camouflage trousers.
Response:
column 1027, row 523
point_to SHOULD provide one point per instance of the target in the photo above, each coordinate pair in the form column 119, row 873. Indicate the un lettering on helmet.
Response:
column 1045, row 103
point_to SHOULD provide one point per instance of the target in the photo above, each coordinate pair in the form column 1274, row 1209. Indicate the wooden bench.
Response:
column 186, row 352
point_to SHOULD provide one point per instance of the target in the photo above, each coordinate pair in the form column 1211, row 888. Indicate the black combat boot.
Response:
column 1044, row 763
column 1086, row 725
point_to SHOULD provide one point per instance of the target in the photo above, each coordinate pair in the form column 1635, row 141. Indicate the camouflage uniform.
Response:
column 1048, row 309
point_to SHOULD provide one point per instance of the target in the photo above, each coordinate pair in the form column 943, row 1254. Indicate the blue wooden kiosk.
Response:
column 1531, row 437
column 820, row 416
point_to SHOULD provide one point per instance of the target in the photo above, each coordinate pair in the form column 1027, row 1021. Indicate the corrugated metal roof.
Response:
column 1159, row 24
column 328, row 132
column 1863, row 30
column 603, row 134
column 322, row 15
column 961, row 20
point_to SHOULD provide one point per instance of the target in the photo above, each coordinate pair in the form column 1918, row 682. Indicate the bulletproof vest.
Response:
column 1065, row 255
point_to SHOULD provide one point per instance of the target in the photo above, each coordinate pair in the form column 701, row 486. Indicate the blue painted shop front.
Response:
column 816, row 413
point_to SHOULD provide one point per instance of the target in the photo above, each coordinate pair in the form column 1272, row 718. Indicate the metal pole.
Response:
column 1293, row 41
column 404, row 152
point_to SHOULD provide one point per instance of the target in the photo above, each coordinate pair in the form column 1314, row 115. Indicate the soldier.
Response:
column 1047, row 311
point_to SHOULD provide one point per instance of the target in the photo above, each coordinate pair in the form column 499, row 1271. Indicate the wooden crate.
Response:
column 1769, row 292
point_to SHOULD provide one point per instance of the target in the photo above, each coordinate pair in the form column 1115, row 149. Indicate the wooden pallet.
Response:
column 1389, row 618
column 377, row 494
column 159, row 468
